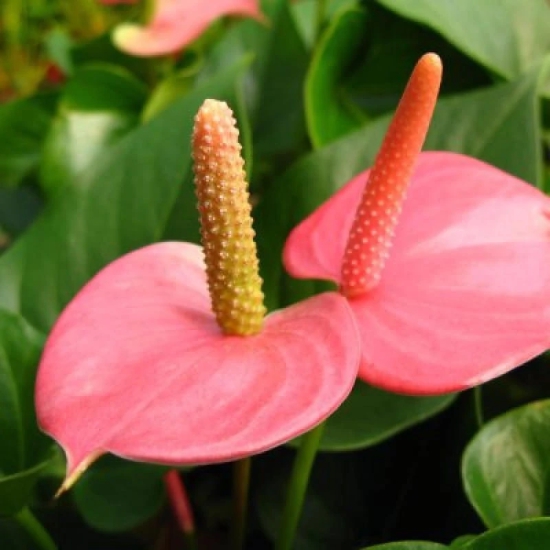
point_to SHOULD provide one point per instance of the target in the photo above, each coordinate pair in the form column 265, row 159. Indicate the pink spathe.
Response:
column 136, row 365
column 176, row 23
column 465, row 293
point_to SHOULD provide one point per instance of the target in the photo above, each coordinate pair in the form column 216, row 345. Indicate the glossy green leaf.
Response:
column 369, row 416
column 18, row 208
column 14, row 536
column 531, row 534
column 407, row 545
column 499, row 125
column 506, row 36
column 122, row 202
column 329, row 114
column 279, row 120
column 376, row 80
column 24, row 124
column 99, row 106
column 274, row 82
column 169, row 90
column 115, row 495
column 306, row 13
column 505, row 468
column 23, row 448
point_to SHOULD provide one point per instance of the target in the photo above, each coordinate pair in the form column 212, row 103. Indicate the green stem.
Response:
column 241, row 483
column 320, row 13
column 298, row 486
column 478, row 405
column 35, row 530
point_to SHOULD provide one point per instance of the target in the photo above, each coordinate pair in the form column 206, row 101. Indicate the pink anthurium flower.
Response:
column 461, row 293
column 162, row 358
column 176, row 23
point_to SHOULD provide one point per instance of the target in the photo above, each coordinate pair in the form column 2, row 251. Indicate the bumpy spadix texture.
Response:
column 464, row 295
column 226, row 224
column 372, row 231
column 137, row 365
column 176, row 23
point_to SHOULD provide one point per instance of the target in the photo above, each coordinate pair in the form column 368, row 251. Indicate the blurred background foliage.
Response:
column 95, row 162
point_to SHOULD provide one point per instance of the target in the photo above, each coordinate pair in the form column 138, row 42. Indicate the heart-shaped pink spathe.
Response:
column 176, row 23
column 465, row 294
column 137, row 366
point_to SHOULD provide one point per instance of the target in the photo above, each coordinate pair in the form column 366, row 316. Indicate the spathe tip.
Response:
column 74, row 474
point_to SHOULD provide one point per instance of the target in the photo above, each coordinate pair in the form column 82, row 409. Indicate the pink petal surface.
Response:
column 137, row 366
column 465, row 295
column 176, row 23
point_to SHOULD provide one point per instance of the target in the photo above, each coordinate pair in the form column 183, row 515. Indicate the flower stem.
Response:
column 478, row 406
column 241, row 483
column 298, row 486
column 181, row 507
column 320, row 13
column 35, row 530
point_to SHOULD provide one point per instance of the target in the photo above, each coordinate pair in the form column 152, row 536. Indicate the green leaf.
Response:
column 369, row 416
column 16, row 490
column 505, row 468
column 115, row 495
column 506, row 36
column 123, row 202
column 408, row 545
column 23, row 448
column 99, row 106
column 461, row 541
column 170, row 90
column 23, row 127
column 531, row 534
column 279, row 120
column 394, row 46
column 329, row 115
column 499, row 125
column 305, row 16
column 18, row 208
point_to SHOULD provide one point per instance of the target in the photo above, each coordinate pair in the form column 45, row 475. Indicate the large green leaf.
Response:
column 329, row 113
column 98, row 107
column 115, row 495
column 500, row 125
column 274, row 82
column 121, row 203
column 506, row 36
column 531, row 534
column 377, row 80
column 23, row 448
column 279, row 120
column 408, row 545
column 505, row 468
column 369, row 416
column 23, row 127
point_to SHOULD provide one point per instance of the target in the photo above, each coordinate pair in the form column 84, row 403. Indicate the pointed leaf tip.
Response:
column 137, row 366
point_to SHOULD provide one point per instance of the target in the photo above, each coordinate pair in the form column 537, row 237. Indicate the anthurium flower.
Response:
column 176, row 23
column 450, row 286
column 162, row 358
